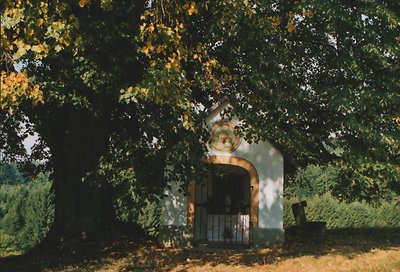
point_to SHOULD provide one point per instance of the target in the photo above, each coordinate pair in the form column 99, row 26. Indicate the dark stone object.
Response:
column 303, row 227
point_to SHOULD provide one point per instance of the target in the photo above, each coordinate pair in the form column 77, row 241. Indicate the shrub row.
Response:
column 27, row 212
column 345, row 215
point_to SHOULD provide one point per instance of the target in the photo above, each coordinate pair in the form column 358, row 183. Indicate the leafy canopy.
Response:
column 320, row 79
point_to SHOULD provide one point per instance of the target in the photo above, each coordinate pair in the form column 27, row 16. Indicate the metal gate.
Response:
column 222, row 208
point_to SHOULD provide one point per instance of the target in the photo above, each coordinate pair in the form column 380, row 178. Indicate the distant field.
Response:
column 342, row 250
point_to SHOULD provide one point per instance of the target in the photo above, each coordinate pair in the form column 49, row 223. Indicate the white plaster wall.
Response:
column 174, row 210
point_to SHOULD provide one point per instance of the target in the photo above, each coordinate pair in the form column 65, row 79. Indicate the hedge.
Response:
column 345, row 215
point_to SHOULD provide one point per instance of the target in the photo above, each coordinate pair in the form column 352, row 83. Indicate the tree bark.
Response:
column 77, row 140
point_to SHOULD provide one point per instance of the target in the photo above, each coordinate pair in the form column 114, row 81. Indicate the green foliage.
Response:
column 9, row 174
column 13, row 207
column 346, row 215
column 311, row 180
column 319, row 185
column 135, row 193
column 365, row 180
column 149, row 218
column 136, row 204
column 28, row 211
column 39, row 210
column 345, row 182
column 315, row 77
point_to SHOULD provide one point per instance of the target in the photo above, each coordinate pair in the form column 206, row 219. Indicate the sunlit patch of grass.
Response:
column 379, row 261
column 7, row 245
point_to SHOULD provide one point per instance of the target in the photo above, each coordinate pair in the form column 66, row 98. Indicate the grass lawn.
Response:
column 342, row 250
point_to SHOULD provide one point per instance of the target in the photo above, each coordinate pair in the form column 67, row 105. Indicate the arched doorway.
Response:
column 225, row 202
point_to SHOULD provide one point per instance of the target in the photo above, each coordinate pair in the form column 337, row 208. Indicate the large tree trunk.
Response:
column 77, row 140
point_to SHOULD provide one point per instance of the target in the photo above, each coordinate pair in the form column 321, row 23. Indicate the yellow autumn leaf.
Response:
column 83, row 3
column 212, row 62
column 15, row 88
column 38, row 48
column 58, row 48
column 145, row 50
column 149, row 45
column 275, row 20
column 307, row 13
column 22, row 49
column 29, row 31
column 151, row 28
column 160, row 48
column 172, row 60
column 186, row 115
column 192, row 9
column 291, row 27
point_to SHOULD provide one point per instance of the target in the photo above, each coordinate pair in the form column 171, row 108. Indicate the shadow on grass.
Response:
column 126, row 255
column 76, row 256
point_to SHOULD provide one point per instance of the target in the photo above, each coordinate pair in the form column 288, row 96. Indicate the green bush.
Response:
column 134, row 203
column 149, row 218
column 315, row 184
column 312, row 180
column 13, row 220
column 38, row 211
column 390, row 213
column 10, row 174
column 345, row 215
column 28, row 211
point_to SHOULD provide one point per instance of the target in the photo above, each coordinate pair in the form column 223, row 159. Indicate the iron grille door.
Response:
column 222, row 209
